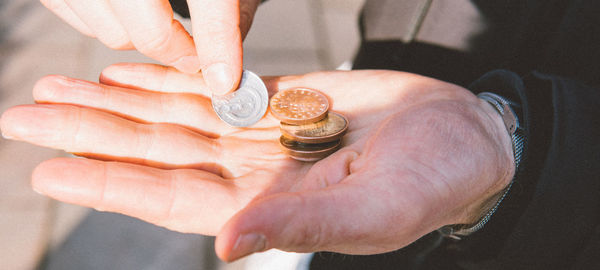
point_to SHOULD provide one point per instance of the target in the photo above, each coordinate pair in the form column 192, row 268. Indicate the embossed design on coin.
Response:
column 329, row 129
column 298, row 106
column 246, row 105
column 308, row 152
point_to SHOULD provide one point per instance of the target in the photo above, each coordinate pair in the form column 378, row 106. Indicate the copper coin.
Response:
column 308, row 152
column 298, row 106
column 332, row 128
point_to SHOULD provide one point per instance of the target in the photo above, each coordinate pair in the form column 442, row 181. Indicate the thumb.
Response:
column 302, row 222
column 218, row 40
column 219, row 28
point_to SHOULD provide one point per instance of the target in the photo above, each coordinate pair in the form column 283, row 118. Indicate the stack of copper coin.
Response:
column 309, row 130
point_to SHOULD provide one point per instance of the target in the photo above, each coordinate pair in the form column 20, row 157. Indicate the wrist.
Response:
column 504, row 131
column 505, row 167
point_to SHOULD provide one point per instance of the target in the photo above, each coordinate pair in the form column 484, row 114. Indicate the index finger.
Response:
column 154, row 32
column 216, row 29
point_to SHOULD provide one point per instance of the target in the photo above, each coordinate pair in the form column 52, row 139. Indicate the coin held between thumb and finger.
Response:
column 246, row 105
column 219, row 78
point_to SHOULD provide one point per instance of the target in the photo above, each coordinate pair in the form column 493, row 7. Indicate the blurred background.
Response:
column 287, row 37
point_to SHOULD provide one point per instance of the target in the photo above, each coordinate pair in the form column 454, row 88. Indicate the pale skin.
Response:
column 218, row 28
column 419, row 154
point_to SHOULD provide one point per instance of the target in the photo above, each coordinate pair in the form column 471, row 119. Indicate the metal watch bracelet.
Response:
column 514, row 129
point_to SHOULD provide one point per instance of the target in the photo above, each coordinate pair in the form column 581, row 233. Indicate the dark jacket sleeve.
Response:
column 180, row 7
column 551, row 217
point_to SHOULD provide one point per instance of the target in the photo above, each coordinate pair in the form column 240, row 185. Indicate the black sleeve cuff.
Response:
column 553, row 207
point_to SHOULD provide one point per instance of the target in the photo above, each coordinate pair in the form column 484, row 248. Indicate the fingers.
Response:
column 102, row 135
column 181, row 200
column 165, row 79
column 142, row 106
column 147, row 26
column 100, row 19
column 216, row 29
column 154, row 32
column 63, row 11
column 154, row 77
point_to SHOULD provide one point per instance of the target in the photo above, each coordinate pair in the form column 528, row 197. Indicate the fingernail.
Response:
column 67, row 90
column 247, row 244
column 3, row 127
column 7, row 136
column 37, row 190
column 31, row 122
column 188, row 64
column 219, row 78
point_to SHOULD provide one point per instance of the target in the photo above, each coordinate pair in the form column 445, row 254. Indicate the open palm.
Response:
column 418, row 154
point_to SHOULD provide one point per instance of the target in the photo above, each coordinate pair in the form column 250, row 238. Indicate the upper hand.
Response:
column 419, row 154
column 147, row 25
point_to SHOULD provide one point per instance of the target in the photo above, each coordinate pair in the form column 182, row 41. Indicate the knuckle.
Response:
column 169, row 105
column 154, row 41
column 102, row 200
column 311, row 236
column 166, row 216
column 76, row 118
column 146, row 144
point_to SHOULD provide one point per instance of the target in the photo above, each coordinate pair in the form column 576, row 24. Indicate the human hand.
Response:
column 419, row 154
column 148, row 26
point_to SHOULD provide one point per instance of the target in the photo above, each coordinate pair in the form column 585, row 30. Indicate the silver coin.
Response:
column 246, row 105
